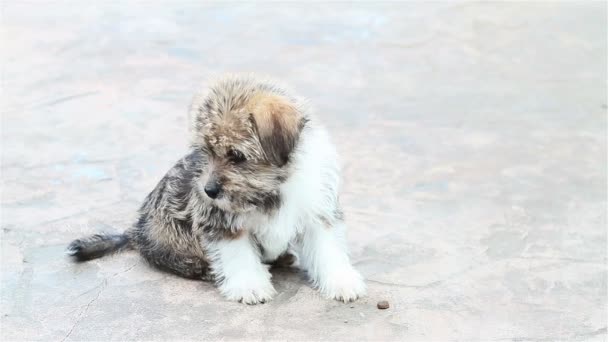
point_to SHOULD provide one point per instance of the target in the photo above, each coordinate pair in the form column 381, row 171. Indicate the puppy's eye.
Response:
column 235, row 156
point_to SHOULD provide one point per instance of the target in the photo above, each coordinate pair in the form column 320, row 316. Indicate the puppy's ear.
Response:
column 278, row 125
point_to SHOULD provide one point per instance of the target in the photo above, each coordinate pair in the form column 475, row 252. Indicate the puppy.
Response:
column 260, row 181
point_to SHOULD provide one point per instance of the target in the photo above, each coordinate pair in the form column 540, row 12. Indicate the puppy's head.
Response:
column 249, row 131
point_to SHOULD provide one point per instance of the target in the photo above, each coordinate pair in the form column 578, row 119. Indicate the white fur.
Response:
column 305, row 222
column 324, row 255
column 309, row 195
column 242, row 275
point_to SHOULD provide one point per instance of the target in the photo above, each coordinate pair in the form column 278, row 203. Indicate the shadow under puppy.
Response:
column 260, row 180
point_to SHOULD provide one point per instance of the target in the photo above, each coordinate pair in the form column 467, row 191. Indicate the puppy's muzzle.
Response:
column 213, row 189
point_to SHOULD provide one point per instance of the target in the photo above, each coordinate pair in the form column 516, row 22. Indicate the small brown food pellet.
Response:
column 383, row 304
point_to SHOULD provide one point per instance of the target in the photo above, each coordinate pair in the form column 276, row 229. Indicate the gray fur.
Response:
column 97, row 245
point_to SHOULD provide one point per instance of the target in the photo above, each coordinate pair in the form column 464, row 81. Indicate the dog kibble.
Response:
column 383, row 304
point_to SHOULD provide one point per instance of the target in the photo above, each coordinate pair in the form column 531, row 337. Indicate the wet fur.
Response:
column 281, row 196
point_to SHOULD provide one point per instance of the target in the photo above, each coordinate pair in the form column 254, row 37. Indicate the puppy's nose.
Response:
column 212, row 189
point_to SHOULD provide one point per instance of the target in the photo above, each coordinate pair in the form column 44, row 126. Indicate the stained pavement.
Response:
column 473, row 143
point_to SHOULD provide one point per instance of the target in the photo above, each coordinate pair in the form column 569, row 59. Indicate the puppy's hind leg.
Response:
column 325, row 257
column 187, row 266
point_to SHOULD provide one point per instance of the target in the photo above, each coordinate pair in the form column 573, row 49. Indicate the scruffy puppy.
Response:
column 261, row 179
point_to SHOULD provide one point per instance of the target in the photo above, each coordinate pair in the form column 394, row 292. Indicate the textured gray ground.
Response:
column 473, row 139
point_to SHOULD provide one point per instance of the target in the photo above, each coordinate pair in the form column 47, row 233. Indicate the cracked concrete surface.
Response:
column 473, row 142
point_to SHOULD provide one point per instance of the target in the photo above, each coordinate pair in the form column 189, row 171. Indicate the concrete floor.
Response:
column 473, row 139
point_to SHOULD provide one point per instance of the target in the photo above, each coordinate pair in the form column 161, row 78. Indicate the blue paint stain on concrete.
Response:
column 184, row 53
column 80, row 157
column 436, row 186
column 90, row 172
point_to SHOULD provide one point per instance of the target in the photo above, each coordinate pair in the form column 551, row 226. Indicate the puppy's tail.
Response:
column 98, row 245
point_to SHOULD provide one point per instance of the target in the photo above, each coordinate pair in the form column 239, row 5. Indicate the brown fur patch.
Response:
column 284, row 260
column 278, row 125
column 232, row 235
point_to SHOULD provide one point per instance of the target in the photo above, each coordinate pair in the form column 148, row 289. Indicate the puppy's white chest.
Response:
column 274, row 238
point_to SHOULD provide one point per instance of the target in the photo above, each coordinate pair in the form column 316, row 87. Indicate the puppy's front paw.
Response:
column 344, row 286
column 248, row 288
